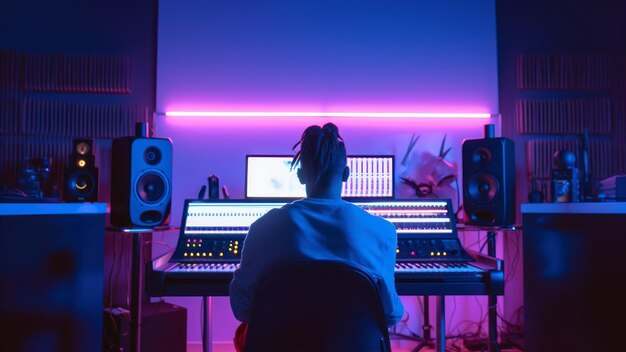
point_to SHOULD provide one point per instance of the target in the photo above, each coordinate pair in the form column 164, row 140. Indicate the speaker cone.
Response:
column 81, row 184
column 482, row 187
column 151, row 187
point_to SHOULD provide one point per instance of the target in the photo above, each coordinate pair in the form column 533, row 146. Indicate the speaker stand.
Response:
column 427, row 340
column 138, row 294
column 136, row 290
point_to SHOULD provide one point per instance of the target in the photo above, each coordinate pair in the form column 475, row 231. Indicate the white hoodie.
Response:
column 317, row 229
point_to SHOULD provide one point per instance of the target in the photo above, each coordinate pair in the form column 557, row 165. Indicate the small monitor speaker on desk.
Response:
column 81, row 174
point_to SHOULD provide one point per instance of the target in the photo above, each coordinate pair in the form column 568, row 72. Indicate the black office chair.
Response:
column 318, row 306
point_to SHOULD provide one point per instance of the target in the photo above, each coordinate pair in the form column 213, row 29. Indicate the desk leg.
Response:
column 441, row 323
column 493, row 324
column 136, row 292
column 427, row 341
column 207, row 334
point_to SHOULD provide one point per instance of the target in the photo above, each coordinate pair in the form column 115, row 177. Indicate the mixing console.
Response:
column 215, row 230
column 429, row 258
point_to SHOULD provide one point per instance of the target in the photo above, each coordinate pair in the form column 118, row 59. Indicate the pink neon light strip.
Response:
column 419, row 115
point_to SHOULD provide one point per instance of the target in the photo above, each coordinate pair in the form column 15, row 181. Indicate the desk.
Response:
column 490, row 281
column 51, row 255
column 574, row 276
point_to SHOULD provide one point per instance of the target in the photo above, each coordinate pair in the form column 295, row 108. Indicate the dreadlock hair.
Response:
column 321, row 153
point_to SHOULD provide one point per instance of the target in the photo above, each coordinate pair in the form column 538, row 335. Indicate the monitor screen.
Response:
column 270, row 176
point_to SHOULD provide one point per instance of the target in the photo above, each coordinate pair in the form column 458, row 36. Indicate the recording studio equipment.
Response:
column 429, row 255
column 271, row 176
column 164, row 328
column 81, row 175
column 43, row 167
column 614, row 188
column 29, row 181
column 430, row 259
column 489, row 180
column 141, row 181
column 535, row 195
column 565, row 178
column 214, row 187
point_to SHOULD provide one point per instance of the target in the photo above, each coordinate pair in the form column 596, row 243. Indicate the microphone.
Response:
column 214, row 187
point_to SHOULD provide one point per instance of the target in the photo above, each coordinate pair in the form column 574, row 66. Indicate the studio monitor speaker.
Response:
column 489, row 182
column 141, row 181
column 80, row 180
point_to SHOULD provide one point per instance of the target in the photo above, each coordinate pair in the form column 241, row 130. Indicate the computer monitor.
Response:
column 371, row 176
column 271, row 176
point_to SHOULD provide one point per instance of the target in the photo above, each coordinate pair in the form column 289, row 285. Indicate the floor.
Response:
column 397, row 345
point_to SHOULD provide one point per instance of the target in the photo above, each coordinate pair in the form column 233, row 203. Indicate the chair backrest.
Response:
column 318, row 306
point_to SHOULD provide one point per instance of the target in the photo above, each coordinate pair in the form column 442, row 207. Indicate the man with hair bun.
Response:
column 321, row 226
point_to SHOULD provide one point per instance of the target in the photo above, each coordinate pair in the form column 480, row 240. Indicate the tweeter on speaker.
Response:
column 141, row 181
column 489, row 181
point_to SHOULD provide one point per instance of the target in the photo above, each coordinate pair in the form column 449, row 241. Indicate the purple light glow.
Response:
column 417, row 115
column 359, row 123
